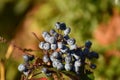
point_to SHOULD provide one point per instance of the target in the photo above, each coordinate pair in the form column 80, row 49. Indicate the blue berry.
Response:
column 22, row 68
column 52, row 40
column 26, row 73
column 46, row 58
column 60, row 45
column 41, row 44
column 52, row 32
column 31, row 57
column 76, row 56
column 44, row 34
column 54, row 46
column 52, row 58
column 59, row 66
column 88, row 44
column 44, row 70
column 56, row 54
column 93, row 66
column 73, row 47
column 62, row 26
column 77, row 70
column 67, row 31
column 46, row 46
column 55, row 63
column 46, row 38
column 68, row 58
column 68, row 66
column 71, row 41
column 57, row 25
column 77, row 63
column 64, row 49
column 66, row 37
column 26, row 58
column 56, row 35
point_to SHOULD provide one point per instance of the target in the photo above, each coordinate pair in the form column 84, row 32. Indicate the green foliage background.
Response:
column 83, row 16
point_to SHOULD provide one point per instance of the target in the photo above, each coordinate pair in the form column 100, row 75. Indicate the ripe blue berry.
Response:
column 60, row 45
column 62, row 26
column 26, row 58
column 64, row 49
column 26, row 73
column 68, row 66
column 59, row 66
column 75, row 56
column 46, row 46
column 46, row 58
column 77, row 63
column 31, row 57
column 22, row 68
column 46, row 38
column 88, row 44
column 53, row 46
column 66, row 37
column 56, row 54
column 44, row 34
column 67, row 31
column 52, row 32
column 68, row 58
column 71, row 41
column 41, row 44
column 52, row 40
column 55, row 63
column 56, row 35
column 57, row 25
column 44, row 70
column 73, row 47
column 77, row 70
column 93, row 66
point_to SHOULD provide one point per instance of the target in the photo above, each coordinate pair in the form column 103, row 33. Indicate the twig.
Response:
column 36, row 36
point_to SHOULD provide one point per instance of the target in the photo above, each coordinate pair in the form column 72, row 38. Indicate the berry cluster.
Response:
column 25, row 67
column 62, row 52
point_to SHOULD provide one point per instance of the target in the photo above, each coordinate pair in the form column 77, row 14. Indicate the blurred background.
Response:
column 95, row 20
